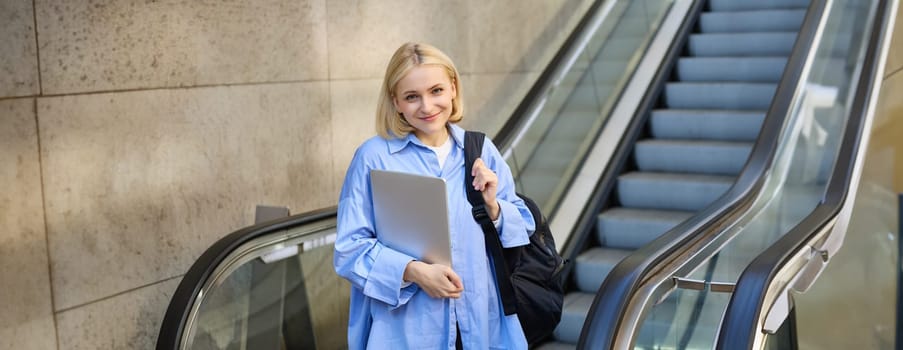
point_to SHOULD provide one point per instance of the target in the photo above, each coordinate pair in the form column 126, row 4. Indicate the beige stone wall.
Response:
column 889, row 116
column 135, row 133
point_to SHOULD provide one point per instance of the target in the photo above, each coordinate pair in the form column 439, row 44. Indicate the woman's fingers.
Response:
column 441, row 282
column 454, row 279
column 486, row 181
column 483, row 177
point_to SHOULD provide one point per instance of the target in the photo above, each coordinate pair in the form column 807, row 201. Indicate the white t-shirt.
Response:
column 442, row 151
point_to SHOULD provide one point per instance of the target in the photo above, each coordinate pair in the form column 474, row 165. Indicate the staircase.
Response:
column 696, row 141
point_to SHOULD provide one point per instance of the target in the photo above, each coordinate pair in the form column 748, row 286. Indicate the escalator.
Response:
column 733, row 286
column 695, row 140
column 272, row 286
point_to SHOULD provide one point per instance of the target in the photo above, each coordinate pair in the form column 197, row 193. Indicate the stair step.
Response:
column 752, row 21
column 747, row 5
column 593, row 265
column 706, row 124
column 573, row 314
column 731, row 69
column 665, row 191
column 554, row 345
column 742, row 44
column 687, row 156
column 626, row 228
column 741, row 96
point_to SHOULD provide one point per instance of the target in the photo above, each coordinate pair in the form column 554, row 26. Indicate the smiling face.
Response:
column 424, row 97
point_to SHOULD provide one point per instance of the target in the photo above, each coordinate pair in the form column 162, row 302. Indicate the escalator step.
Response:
column 731, row 69
column 752, row 21
column 576, row 306
column 627, row 228
column 686, row 156
column 554, row 345
column 670, row 191
column 746, row 5
column 706, row 124
column 741, row 96
column 741, row 44
column 593, row 265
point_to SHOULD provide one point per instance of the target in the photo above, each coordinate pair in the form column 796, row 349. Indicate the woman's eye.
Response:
column 410, row 97
column 437, row 91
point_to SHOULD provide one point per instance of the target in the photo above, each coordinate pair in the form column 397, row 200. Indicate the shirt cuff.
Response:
column 513, row 230
column 386, row 276
column 498, row 222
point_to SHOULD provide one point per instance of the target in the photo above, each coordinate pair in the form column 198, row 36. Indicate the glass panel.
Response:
column 551, row 150
column 667, row 324
column 808, row 146
column 295, row 302
column 495, row 89
column 858, row 291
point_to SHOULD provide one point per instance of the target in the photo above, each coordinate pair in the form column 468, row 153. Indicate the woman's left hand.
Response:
column 485, row 181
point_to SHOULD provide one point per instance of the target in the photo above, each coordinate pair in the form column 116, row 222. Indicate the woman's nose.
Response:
column 426, row 104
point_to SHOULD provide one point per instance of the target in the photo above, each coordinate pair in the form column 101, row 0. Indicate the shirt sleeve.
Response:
column 516, row 221
column 359, row 257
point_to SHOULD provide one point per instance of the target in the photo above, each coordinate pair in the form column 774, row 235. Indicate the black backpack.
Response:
column 529, row 277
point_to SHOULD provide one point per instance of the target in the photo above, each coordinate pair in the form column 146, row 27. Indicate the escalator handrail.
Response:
column 611, row 303
column 183, row 299
column 177, row 313
column 740, row 324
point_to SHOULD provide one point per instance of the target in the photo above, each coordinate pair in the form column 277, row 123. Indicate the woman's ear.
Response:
column 454, row 88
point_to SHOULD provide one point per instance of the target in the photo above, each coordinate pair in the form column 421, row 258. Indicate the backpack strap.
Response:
column 473, row 148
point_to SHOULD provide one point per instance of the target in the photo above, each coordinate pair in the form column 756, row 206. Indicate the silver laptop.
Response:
column 412, row 214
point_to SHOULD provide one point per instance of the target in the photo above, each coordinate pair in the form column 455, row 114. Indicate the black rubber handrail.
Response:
column 174, row 321
column 600, row 330
column 740, row 324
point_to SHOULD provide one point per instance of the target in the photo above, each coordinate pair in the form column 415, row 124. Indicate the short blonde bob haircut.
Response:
column 389, row 122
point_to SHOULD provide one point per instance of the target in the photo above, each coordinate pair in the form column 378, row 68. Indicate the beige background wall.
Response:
column 134, row 134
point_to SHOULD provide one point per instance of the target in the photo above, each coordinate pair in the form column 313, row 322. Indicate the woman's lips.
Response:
column 430, row 118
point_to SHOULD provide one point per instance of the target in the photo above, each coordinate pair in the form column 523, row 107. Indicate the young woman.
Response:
column 398, row 302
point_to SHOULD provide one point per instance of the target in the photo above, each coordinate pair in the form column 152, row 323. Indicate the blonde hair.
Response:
column 389, row 122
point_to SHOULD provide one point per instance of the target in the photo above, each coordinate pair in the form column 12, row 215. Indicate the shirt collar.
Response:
column 397, row 144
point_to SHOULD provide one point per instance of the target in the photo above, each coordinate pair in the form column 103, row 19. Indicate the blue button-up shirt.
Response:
column 387, row 313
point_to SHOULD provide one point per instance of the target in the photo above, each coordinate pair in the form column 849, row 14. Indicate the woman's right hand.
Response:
column 438, row 281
